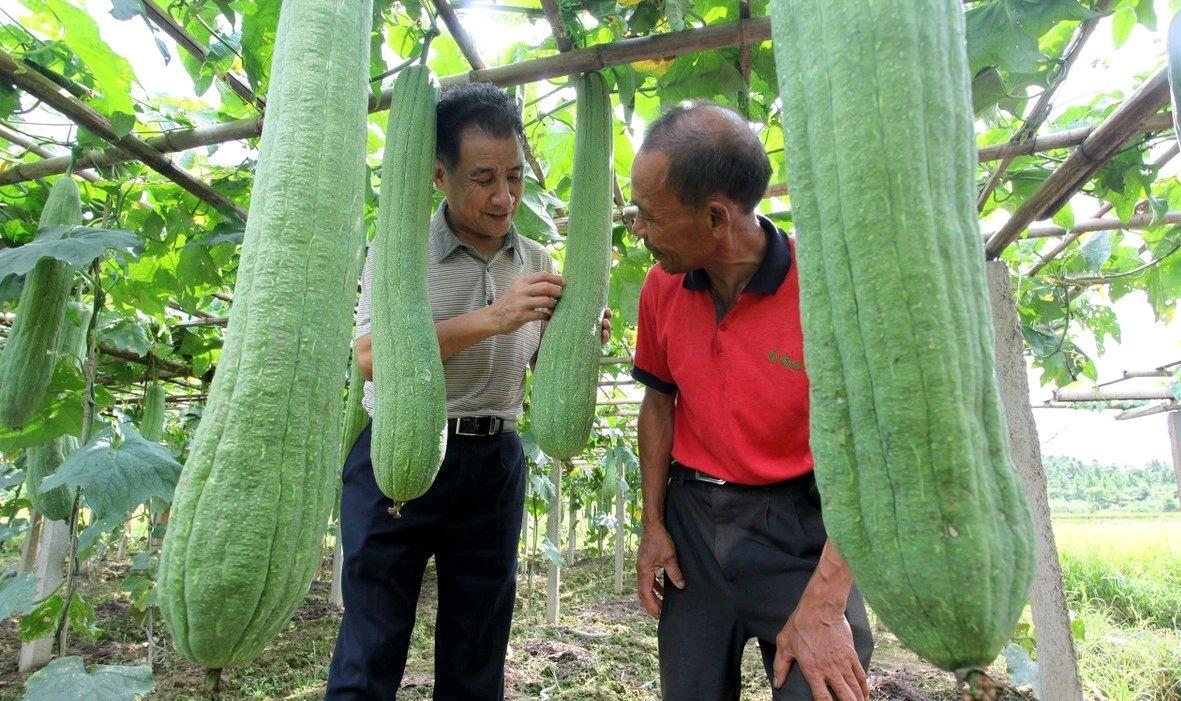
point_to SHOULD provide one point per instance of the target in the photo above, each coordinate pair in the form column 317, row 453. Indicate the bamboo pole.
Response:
column 33, row 147
column 553, row 534
column 82, row 114
column 1108, row 395
column 1147, row 410
column 1078, row 168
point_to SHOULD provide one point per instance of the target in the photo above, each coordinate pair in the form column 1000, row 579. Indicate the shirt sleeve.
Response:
column 651, row 363
column 365, row 305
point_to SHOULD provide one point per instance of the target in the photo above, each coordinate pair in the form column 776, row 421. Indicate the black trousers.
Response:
column 470, row 521
column 747, row 554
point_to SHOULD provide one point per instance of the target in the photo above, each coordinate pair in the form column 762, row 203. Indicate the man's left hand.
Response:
column 605, row 335
column 820, row 640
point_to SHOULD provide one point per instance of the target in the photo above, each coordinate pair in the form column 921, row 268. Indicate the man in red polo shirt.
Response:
column 731, row 510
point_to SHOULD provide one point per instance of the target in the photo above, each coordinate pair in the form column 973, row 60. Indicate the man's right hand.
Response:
column 657, row 553
column 528, row 298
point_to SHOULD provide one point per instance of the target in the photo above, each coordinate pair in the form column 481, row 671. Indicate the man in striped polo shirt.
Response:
column 491, row 293
column 731, row 512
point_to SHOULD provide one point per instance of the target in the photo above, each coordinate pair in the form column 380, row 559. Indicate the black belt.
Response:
column 479, row 426
column 684, row 473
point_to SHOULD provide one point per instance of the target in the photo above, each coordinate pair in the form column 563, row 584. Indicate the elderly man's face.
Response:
column 484, row 189
column 678, row 236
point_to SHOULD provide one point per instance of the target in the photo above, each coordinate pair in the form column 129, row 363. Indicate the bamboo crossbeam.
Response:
column 1082, row 164
column 531, row 12
column 186, row 41
column 1136, row 221
column 82, row 114
column 33, row 147
column 626, row 51
column 1135, row 374
column 1108, row 395
column 1148, row 410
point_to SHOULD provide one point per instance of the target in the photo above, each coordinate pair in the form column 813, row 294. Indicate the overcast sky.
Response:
column 1146, row 343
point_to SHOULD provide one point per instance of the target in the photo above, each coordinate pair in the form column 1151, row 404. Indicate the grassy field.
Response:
column 1123, row 578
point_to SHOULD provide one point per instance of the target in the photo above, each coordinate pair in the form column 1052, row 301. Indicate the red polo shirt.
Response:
column 742, row 394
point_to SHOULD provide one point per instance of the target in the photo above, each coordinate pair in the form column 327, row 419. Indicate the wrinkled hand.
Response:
column 821, row 642
column 606, row 325
column 528, row 298
column 656, row 553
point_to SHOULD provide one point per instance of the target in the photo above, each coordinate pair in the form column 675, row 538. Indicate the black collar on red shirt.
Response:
column 771, row 273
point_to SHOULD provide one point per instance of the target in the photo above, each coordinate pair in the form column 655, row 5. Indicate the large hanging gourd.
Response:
column 910, row 440
column 249, row 514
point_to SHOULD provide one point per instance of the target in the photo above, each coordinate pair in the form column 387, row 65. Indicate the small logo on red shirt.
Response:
column 785, row 360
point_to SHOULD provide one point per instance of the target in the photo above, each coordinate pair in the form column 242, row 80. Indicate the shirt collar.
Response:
column 444, row 241
column 771, row 273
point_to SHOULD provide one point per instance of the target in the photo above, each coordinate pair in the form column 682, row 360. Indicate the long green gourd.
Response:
column 44, row 459
column 910, row 440
column 250, row 511
column 410, row 398
column 151, row 423
column 562, row 401
column 26, row 366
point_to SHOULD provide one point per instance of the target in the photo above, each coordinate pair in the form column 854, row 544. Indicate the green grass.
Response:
column 1128, row 568
column 1123, row 582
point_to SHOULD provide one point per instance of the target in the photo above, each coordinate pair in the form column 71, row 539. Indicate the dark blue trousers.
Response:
column 470, row 521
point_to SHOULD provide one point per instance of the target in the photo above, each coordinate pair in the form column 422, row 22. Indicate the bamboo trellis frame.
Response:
column 82, row 114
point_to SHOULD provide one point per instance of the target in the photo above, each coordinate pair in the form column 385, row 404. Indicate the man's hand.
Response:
column 528, row 298
column 657, row 552
column 819, row 639
column 606, row 325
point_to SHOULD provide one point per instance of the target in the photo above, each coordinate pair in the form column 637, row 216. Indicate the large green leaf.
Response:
column 76, row 245
column 18, row 595
column 60, row 412
column 118, row 475
column 112, row 72
column 67, row 678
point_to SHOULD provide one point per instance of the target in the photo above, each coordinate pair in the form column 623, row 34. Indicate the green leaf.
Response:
column 1064, row 217
column 18, row 594
column 995, row 39
column 118, row 475
column 82, row 618
column 127, row 9
column 112, row 73
column 1122, row 23
column 60, row 412
column 42, row 620
column 98, row 529
column 125, row 334
column 987, row 89
column 1097, row 250
column 76, row 245
column 67, row 678
column 1022, row 669
column 258, row 42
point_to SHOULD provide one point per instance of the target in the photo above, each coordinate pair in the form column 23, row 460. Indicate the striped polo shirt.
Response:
column 487, row 379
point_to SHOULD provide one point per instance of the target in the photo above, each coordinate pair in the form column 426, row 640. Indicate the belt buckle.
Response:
column 474, row 424
column 702, row 477
column 471, row 421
